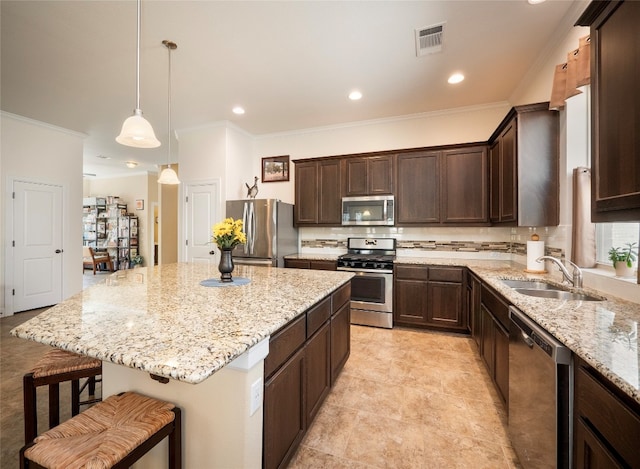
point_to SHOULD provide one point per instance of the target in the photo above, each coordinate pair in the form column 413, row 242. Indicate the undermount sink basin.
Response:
column 557, row 294
column 543, row 289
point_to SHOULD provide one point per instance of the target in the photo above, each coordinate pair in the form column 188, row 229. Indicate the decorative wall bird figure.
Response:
column 253, row 190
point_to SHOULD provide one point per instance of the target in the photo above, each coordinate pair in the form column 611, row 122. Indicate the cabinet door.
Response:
column 464, row 184
column 380, row 175
column 501, row 361
column 487, row 348
column 411, row 302
column 589, row 451
column 444, row 305
column 494, row 182
column 508, row 174
column 418, row 188
column 318, row 370
column 616, row 100
column 284, row 412
column 340, row 339
column 306, row 196
column 329, row 196
column 356, row 177
column 476, row 313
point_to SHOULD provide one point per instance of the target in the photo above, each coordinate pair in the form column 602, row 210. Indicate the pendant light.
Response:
column 168, row 175
column 136, row 130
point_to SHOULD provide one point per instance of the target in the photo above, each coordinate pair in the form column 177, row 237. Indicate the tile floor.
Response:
column 409, row 399
column 406, row 398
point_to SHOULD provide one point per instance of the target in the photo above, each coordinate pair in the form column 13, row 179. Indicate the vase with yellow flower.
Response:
column 227, row 235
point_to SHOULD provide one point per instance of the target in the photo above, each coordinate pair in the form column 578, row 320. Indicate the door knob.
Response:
column 58, row 251
column 213, row 253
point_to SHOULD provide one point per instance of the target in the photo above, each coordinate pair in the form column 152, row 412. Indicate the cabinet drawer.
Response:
column 498, row 308
column 340, row 297
column 411, row 272
column 614, row 420
column 296, row 264
column 323, row 265
column 318, row 315
column 445, row 274
column 284, row 343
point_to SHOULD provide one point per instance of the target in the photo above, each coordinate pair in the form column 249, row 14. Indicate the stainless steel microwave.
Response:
column 368, row 210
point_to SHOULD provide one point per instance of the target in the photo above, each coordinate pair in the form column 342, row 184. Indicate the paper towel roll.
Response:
column 535, row 249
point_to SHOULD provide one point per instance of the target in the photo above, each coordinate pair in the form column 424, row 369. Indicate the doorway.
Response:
column 202, row 209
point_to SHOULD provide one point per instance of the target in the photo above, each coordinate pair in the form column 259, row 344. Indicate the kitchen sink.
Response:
column 557, row 294
column 541, row 289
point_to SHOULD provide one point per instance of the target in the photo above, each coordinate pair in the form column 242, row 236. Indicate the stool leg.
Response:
column 54, row 405
column 30, row 408
column 92, row 387
column 75, row 397
column 175, row 441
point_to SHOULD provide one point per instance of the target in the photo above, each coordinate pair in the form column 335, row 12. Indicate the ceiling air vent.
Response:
column 429, row 39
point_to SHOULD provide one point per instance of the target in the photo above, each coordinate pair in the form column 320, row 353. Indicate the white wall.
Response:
column 43, row 153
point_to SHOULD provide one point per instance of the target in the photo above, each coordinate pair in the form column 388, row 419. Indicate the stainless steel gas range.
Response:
column 371, row 259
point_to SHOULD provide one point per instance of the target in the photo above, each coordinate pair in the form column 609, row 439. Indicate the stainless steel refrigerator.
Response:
column 268, row 225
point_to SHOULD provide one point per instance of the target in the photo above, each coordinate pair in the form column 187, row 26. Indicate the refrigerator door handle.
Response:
column 252, row 223
column 245, row 226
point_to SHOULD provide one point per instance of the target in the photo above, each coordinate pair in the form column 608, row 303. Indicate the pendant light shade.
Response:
column 136, row 130
column 168, row 175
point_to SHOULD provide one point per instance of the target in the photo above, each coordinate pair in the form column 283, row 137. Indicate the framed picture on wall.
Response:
column 139, row 204
column 275, row 168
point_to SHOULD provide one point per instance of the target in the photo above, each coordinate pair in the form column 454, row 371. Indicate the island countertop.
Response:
column 162, row 321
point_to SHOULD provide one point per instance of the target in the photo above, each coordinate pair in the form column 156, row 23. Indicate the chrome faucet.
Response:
column 575, row 278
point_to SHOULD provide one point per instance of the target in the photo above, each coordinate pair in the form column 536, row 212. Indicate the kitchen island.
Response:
column 203, row 346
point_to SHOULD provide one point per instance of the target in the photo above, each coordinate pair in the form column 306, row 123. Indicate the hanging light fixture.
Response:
column 168, row 175
column 136, row 130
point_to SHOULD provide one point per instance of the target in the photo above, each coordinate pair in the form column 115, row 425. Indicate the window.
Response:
column 614, row 234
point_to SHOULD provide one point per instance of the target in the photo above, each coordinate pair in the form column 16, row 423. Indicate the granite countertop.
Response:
column 162, row 321
column 603, row 333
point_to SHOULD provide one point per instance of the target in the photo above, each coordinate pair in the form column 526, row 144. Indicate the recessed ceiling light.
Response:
column 534, row 2
column 238, row 110
column 456, row 78
column 355, row 95
column 131, row 164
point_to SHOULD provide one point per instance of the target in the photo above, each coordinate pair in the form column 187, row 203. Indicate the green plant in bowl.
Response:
column 628, row 255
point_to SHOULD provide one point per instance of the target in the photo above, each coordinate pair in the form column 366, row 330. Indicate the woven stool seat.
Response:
column 58, row 361
column 58, row 366
column 107, row 433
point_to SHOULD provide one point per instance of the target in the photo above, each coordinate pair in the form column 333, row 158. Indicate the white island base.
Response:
column 217, row 428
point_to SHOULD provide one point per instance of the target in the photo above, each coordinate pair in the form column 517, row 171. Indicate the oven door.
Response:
column 371, row 291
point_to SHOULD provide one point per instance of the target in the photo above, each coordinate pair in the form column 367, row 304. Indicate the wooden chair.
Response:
column 93, row 260
column 58, row 366
column 114, row 433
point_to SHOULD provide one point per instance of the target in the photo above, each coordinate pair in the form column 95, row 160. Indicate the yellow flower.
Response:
column 228, row 233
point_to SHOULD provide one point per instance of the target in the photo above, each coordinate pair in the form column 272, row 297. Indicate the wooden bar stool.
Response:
column 56, row 367
column 112, row 434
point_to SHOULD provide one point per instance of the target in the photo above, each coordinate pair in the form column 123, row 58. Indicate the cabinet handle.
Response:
column 58, row 251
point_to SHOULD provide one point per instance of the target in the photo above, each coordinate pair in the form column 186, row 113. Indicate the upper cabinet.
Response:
column 447, row 186
column 615, row 116
column 317, row 192
column 524, row 168
column 371, row 175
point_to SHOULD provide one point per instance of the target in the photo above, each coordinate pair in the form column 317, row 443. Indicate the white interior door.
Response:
column 37, row 251
column 202, row 209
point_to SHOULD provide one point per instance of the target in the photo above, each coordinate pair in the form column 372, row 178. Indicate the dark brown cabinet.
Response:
column 370, row 175
column 305, row 358
column 615, row 98
column 606, row 422
column 310, row 264
column 429, row 296
column 318, row 197
column 447, row 186
column 524, row 168
column 473, row 307
column 494, row 339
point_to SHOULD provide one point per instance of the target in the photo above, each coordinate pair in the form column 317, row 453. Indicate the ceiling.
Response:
column 290, row 64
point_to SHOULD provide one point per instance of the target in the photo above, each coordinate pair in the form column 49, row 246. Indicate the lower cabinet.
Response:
column 606, row 422
column 310, row 264
column 305, row 358
column 494, row 339
column 429, row 296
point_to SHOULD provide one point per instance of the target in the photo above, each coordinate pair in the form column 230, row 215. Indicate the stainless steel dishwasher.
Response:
column 540, row 395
